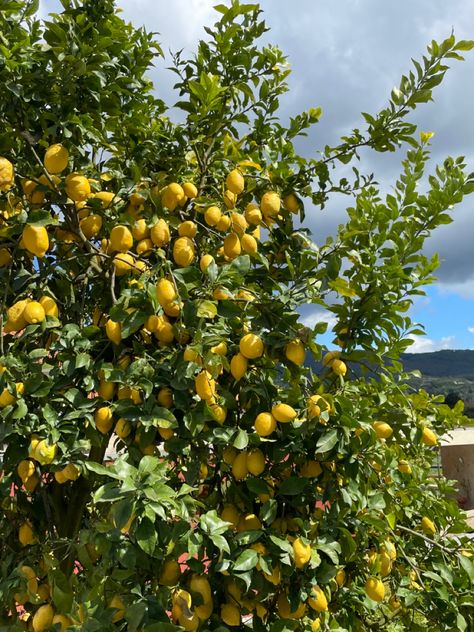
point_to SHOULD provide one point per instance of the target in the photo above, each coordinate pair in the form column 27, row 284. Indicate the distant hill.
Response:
column 446, row 363
column 448, row 372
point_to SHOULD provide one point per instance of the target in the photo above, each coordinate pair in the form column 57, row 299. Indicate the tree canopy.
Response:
column 170, row 459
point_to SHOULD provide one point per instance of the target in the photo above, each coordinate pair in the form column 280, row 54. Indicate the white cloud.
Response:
column 470, row 330
column 319, row 316
column 464, row 289
column 421, row 344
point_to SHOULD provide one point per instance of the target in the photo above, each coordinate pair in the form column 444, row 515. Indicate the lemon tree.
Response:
column 178, row 451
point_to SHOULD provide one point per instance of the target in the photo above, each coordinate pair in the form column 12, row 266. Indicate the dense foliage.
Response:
column 170, row 461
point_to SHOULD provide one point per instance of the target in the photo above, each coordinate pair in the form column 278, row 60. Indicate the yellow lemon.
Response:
column 165, row 397
column 231, row 514
column 71, row 472
column 183, row 251
column 238, row 222
column 121, row 239
column 117, row 604
column 230, row 614
column 205, row 385
column 165, row 291
column 339, row 367
column 249, row 522
column 43, row 618
column 63, row 621
column 56, row 158
column 91, row 225
column 103, row 419
column 7, row 174
column 230, row 199
column 284, row 609
column 26, row 534
column 50, row 306
column 190, row 190
column 212, row 215
column 255, row 462
column 232, row 246
column 15, row 316
column 187, row 229
column 170, row 573
column 35, row 240
column 123, row 428
column 291, row 203
column 5, row 257
column 428, row 437
column 374, row 589
column 106, row 198
column 113, row 331
column 251, row 346
column 172, row 195
column 78, row 187
column 124, row 263
column 249, row 244
column 275, row 576
column 140, row 230
column 160, row 233
column 238, row 366
column 311, row 469
column 382, row 429
column 45, row 452
column 219, row 413
column 239, row 466
column 224, row 223
column 205, row 262
column 25, row 469
column 404, row 467
column 318, row 600
column 270, row 203
column 265, row 424
column 301, row 553
column 284, row 413
column 235, row 182
column 428, row 526
column 330, row 356
column 34, row 312
column 295, row 352
column 253, row 214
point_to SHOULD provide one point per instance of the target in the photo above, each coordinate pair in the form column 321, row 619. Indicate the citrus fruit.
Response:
column 374, row 589
column 251, row 346
column 56, row 158
column 78, row 187
column 183, row 251
column 265, row 424
column 34, row 312
column 318, row 600
column 6, row 174
column 35, row 240
column 295, row 352
column 235, row 182
column 160, row 233
column 270, row 203
column 284, row 413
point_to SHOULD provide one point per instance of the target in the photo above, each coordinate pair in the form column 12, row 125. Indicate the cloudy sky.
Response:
column 346, row 56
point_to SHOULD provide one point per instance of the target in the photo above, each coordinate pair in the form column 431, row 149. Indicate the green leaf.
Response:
column 146, row 535
column 327, row 441
column 241, row 440
column 247, row 560
column 206, row 309
column 292, row 486
column 212, row 524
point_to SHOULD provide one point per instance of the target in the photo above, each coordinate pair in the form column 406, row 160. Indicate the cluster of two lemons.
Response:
column 26, row 312
column 332, row 360
column 184, row 611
